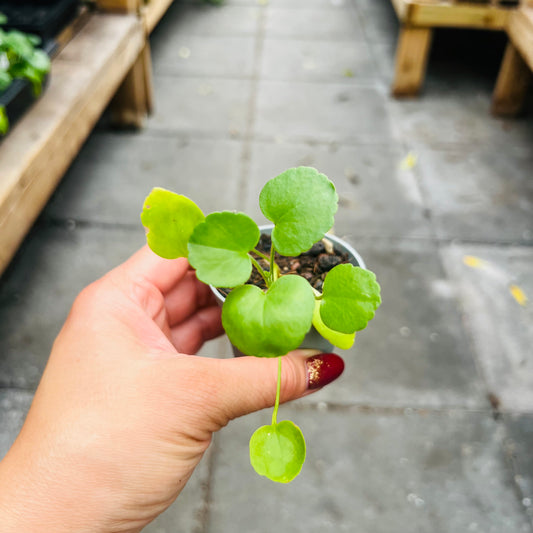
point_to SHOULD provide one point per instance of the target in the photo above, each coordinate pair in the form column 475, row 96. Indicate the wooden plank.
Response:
column 512, row 85
column 453, row 14
column 41, row 146
column 72, row 29
column 153, row 11
column 446, row 15
column 119, row 6
column 411, row 60
column 520, row 30
column 133, row 100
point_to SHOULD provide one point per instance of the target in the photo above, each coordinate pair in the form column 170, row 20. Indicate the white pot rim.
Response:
column 267, row 228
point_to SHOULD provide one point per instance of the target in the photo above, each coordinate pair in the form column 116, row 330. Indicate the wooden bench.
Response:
column 419, row 18
column 515, row 72
column 106, row 55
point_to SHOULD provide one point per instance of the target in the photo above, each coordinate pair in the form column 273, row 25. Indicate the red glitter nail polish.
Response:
column 323, row 369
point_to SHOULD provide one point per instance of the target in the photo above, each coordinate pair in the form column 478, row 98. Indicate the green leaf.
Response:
column 278, row 451
column 3, row 18
column 219, row 246
column 170, row 219
column 301, row 202
column 350, row 297
column 5, row 80
column 344, row 341
column 18, row 43
column 40, row 61
column 272, row 323
column 4, row 121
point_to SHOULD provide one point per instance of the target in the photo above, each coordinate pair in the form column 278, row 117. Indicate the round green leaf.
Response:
column 170, row 219
column 219, row 246
column 344, row 341
column 350, row 297
column 278, row 451
column 301, row 202
column 272, row 323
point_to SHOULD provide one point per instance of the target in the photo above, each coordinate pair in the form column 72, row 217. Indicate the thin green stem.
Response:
column 278, row 391
column 273, row 266
column 261, row 255
column 264, row 275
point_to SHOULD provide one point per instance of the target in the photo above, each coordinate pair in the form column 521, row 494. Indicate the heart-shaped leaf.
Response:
column 301, row 202
column 170, row 219
column 344, row 341
column 272, row 323
column 278, row 451
column 350, row 297
column 219, row 246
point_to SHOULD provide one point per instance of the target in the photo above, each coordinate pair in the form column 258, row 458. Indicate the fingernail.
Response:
column 323, row 369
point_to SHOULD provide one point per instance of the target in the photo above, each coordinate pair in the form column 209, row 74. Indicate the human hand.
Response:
column 122, row 414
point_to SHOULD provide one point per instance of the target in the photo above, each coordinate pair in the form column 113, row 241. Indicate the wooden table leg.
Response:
column 133, row 100
column 512, row 84
column 411, row 60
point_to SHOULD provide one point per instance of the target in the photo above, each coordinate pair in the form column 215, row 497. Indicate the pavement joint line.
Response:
column 203, row 513
column 255, row 78
column 248, row 136
column 68, row 222
column 197, row 135
column 407, row 410
column 16, row 388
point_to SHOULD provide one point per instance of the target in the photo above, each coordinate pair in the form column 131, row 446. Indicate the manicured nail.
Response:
column 323, row 369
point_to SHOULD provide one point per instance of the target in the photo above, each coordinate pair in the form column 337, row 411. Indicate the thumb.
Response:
column 248, row 384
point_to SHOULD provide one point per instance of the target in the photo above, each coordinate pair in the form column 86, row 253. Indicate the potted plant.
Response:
column 268, row 309
column 23, row 72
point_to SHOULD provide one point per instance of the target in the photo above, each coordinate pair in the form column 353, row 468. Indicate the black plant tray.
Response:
column 45, row 18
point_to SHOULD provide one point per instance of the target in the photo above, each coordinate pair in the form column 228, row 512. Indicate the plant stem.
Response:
column 261, row 271
column 278, row 390
column 261, row 255
column 273, row 266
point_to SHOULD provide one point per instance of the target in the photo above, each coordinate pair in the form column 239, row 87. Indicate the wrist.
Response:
column 34, row 499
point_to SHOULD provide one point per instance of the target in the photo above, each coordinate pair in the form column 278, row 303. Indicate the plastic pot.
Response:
column 313, row 339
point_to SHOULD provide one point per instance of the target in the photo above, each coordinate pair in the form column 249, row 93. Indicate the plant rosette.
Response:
column 313, row 339
column 223, row 249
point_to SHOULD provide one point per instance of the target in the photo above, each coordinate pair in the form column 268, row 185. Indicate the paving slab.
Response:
column 416, row 351
column 312, row 60
column 191, row 55
column 14, row 405
column 519, row 436
column 378, row 19
column 334, row 23
column 377, row 196
column 501, row 328
column 444, row 115
column 201, row 106
column 40, row 285
column 194, row 18
column 321, row 112
column 479, row 193
column 372, row 472
column 113, row 174
column 324, row 4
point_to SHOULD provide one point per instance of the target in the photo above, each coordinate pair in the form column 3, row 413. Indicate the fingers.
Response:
column 248, row 384
column 188, row 336
column 164, row 274
column 186, row 297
